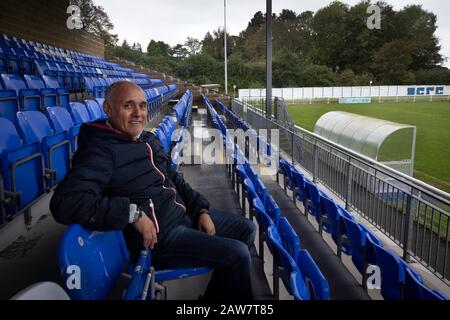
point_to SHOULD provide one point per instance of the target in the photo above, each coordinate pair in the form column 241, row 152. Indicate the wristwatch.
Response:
column 135, row 213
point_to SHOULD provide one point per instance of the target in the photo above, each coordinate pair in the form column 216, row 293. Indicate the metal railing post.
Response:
column 292, row 148
column 409, row 225
column 315, row 161
column 348, row 192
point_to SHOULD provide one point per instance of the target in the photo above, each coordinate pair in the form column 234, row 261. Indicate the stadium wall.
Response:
column 44, row 21
column 347, row 92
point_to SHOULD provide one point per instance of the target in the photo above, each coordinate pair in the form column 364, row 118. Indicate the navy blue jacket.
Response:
column 109, row 171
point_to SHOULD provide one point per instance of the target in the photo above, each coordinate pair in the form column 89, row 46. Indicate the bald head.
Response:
column 118, row 87
column 126, row 105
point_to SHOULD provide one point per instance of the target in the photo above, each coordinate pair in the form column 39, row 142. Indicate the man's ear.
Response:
column 107, row 108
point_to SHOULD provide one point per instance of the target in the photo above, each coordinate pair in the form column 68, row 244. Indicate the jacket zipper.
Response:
column 164, row 179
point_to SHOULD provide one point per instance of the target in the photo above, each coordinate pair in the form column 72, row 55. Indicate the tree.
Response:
column 419, row 26
column 158, row 48
column 208, row 45
column 193, row 46
column 435, row 76
column 393, row 62
column 96, row 21
column 329, row 35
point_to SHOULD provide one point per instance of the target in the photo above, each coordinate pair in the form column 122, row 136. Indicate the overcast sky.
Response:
column 172, row 21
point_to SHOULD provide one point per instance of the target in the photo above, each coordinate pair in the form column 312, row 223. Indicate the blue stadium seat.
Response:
column 392, row 271
column 261, row 190
column 63, row 94
column 317, row 284
column 272, row 209
column 34, row 127
column 264, row 222
column 312, row 199
column 286, row 169
column 163, row 139
column 337, row 226
column 299, row 186
column 415, row 289
column 289, row 238
column 284, row 266
column 9, row 105
column 49, row 97
column 100, row 102
column 30, row 99
column 357, row 238
column 94, row 110
column 79, row 113
column 101, row 258
column 61, row 121
column 22, row 168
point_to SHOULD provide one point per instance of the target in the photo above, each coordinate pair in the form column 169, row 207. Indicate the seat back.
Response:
column 392, row 271
column 51, row 82
column 9, row 105
column 264, row 221
column 9, row 139
column 312, row 194
column 96, row 258
column 94, row 109
column 60, row 119
column 317, row 284
column 79, row 113
column 20, row 175
column 33, row 126
column 358, row 241
column 289, row 238
column 13, row 82
column 272, row 209
column 285, row 261
column 416, row 289
column 34, row 82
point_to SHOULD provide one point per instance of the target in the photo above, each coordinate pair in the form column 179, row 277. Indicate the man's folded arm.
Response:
column 78, row 198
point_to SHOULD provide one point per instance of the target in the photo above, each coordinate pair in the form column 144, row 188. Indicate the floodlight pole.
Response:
column 269, row 58
column 225, row 45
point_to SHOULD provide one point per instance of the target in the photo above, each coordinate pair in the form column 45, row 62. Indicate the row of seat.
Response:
column 29, row 93
column 18, row 49
column 36, row 149
column 34, row 93
column 293, row 265
column 398, row 279
column 167, row 127
column 20, row 57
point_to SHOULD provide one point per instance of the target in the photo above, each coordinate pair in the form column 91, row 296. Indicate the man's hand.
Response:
column 146, row 227
column 205, row 223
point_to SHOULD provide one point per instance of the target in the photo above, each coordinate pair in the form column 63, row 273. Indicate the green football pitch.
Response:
column 432, row 119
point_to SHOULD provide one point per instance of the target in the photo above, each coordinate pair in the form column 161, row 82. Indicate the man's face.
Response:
column 127, row 109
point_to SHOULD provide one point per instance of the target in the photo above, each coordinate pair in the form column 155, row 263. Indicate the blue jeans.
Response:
column 227, row 253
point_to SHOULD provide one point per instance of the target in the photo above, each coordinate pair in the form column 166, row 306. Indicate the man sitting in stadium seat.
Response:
column 122, row 180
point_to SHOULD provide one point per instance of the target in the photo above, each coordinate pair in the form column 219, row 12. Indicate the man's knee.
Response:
column 241, row 253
